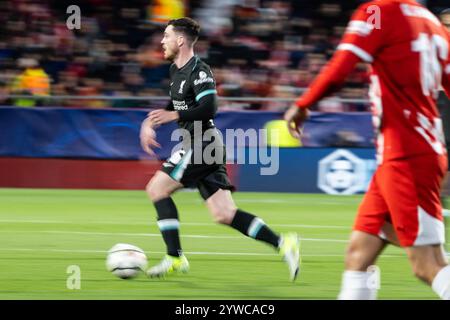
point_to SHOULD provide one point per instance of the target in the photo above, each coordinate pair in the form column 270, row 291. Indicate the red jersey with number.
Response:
column 408, row 49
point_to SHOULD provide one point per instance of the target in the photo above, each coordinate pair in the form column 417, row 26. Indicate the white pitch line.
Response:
column 152, row 223
column 32, row 221
column 199, row 224
column 157, row 235
column 195, row 236
column 147, row 252
column 187, row 252
column 115, row 234
column 299, row 201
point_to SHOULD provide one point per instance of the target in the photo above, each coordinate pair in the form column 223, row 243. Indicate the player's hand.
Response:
column 295, row 117
column 148, row 137
column 162, row 116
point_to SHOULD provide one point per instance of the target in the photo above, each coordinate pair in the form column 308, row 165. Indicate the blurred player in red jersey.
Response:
column 444, row 108
column 408, row 50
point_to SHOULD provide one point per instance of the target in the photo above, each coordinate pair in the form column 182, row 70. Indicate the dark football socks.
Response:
column 254, row 227
column 169, row 224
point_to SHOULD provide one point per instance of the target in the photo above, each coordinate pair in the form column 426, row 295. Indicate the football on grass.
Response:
column 126, row 261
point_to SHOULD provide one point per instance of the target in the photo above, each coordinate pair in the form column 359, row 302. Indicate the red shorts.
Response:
column 406, row 193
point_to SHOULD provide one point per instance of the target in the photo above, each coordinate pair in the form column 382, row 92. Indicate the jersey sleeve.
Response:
column 366, row 32
column 203, row 82
column 204, row 88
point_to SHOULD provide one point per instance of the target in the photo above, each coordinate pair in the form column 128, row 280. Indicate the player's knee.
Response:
column 355, row 258
column 151, row 191
column 156, row 193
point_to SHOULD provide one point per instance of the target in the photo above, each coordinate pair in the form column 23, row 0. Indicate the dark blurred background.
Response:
column 256, row 48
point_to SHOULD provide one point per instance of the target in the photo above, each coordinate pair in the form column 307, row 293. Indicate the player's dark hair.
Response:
column 189, row 27
column 445, row 11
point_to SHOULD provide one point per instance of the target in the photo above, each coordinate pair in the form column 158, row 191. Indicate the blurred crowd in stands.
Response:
column 256, row 48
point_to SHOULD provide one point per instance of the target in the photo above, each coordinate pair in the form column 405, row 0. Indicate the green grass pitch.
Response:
column 43, row 232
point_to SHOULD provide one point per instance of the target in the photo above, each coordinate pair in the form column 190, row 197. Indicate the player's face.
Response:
column 170, row 43
column 445, row 18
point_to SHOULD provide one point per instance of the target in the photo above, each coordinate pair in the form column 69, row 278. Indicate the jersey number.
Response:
column 431, row 48
column 432, row 131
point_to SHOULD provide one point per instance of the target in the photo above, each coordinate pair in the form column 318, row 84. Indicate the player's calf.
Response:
column 222, row 213
column 224, row 210
column 423, row 272
column 362, row 251
column 159, row 189
column 426, row 261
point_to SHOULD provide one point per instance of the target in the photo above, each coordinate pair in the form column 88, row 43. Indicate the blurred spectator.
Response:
column 257, row 48
column 33, row 81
